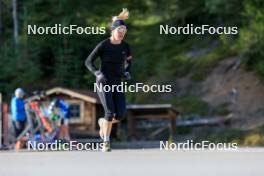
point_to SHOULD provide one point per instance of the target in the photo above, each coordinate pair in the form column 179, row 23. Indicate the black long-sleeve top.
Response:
column 115, row 59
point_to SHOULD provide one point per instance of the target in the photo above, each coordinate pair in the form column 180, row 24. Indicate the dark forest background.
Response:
column 190, row 63
column 41, row 61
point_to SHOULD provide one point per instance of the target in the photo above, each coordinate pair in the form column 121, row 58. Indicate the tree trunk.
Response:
column 15, row 21
column 1, row 12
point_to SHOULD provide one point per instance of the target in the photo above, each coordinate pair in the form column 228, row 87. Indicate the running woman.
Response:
column 115, row 59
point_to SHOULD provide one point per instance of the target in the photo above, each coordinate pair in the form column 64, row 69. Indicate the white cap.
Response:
column 19, row 91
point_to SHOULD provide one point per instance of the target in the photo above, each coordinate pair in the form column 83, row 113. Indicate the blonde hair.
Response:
column 122, row 16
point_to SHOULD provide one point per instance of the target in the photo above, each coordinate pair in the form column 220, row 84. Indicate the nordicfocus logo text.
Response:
column 65, row 146
column 191, row 145
column 198, row 30
column 138, row 87
column 59, row 29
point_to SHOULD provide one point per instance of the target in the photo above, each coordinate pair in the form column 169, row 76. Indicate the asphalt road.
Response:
column 149, row 162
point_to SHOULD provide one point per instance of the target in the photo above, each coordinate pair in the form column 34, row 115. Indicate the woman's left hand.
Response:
column 127, row 76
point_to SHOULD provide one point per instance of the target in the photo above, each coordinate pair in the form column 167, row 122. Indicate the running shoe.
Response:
column 106, row 147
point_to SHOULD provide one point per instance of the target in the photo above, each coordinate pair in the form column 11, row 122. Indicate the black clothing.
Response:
column 113, row 57
column 114, row 104
column 117, row 23
column 19, row 127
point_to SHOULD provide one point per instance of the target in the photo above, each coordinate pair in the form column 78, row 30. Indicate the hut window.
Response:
column 75, row 111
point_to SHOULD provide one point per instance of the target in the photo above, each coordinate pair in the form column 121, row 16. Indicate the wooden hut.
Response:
column 85, row 108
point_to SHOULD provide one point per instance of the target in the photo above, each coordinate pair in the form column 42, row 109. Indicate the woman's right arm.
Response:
column 90, row 61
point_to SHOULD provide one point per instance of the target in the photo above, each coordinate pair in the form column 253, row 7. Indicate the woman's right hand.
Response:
column 100, row 78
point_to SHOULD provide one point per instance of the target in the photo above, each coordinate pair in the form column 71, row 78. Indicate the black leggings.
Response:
column 19, row 127
column 114, row 103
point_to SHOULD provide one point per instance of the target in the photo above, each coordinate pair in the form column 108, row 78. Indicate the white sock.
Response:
column 106, row 138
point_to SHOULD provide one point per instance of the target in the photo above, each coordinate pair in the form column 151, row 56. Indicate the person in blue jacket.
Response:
column 18, row 112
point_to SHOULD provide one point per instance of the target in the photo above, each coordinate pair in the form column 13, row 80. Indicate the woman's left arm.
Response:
column 128, row 61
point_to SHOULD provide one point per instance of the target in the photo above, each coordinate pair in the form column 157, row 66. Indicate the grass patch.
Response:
column 254, row 137
column 223, row 136
column 222, row 110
